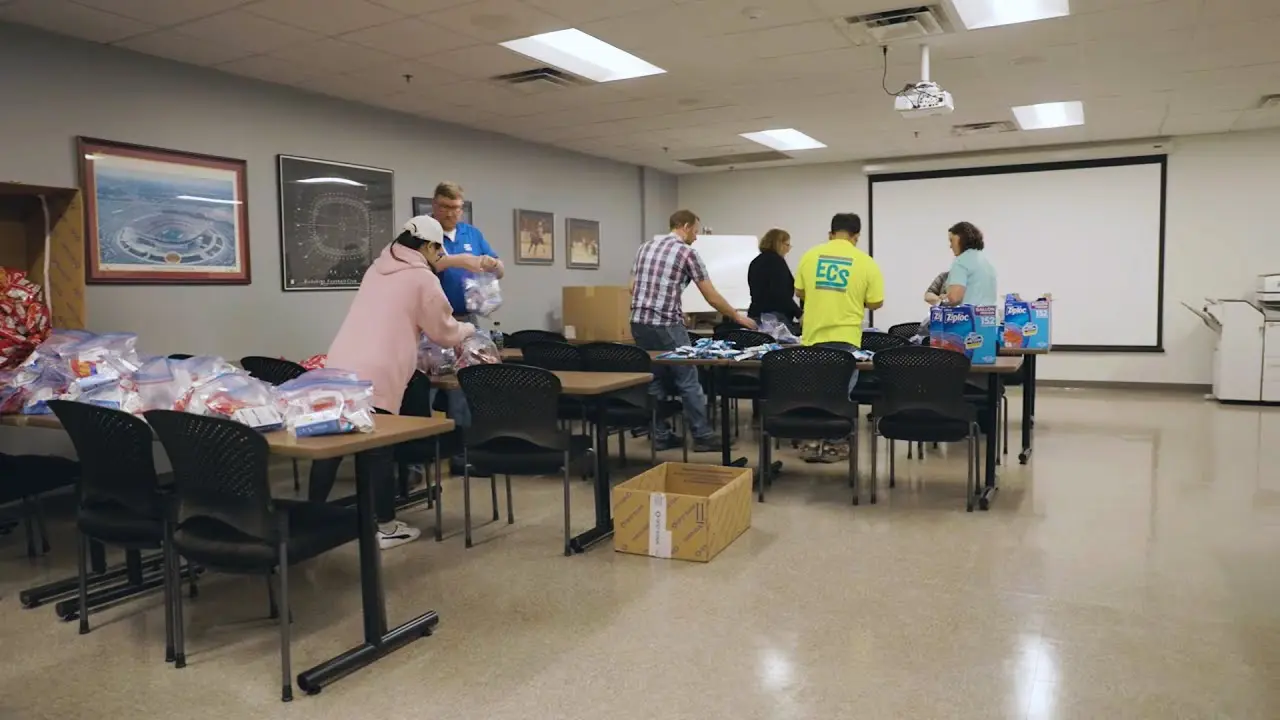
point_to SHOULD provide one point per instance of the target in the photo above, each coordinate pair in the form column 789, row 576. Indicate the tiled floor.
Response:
column 1130, row 571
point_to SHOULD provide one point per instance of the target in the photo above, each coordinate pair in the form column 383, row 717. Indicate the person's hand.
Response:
column 467, row 329
column 747, row 322
column 932, row 299
column 470, row 263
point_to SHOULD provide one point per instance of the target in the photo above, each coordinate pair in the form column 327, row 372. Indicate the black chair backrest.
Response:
column 219, row 470
column 552, row 355
column 906, row 331
column 180, row 356
column 115, row 451
column 722, row 331
column 744, row 339
column 922, row 380
column 807, row 378
column 619, row 357
column 520, row 338
column 512, row 402
column 879, row 342
column 276, row 371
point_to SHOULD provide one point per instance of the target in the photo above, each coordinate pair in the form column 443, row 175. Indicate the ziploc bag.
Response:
column 479, row 349
column 773, row 327
column 51, row 384
column 482, row 293
column 236, row 396
column 117, row 396
column 101, row 360
column 327, row 402
column 435, row 360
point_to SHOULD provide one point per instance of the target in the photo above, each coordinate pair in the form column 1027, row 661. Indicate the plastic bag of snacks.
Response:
column 117, row 396
column 315, row 362
column 327, row 402
column 478, row 349
column 435, row 360
column 51, row 384
column 52, row 351
column 101, row 360
column 777, row 329
column 24, row 317
column 482, row 294
column 236, row 396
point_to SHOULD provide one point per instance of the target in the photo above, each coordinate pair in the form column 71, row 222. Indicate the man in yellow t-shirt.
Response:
column 838, row 283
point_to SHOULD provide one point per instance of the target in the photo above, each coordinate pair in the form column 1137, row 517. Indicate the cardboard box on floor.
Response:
column 22, row 245
column 687, row 512
column 597, row 313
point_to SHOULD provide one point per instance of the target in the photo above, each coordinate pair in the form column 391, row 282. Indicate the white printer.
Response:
column 1246, row 361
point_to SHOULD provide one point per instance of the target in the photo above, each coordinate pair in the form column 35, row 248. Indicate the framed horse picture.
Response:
column 535, row 237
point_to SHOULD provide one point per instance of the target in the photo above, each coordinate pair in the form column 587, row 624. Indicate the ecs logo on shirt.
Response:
column 832, row 273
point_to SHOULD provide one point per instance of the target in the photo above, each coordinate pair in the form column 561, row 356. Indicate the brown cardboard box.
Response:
column 598, row 313
column 22, row 226
column 687, row 512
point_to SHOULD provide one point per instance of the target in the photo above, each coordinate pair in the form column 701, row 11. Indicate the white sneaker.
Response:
column 399, row 534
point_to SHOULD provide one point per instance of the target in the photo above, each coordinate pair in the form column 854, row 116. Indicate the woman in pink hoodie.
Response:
column 399, row 299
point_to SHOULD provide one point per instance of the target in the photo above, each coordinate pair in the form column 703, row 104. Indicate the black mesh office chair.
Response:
column 634, row 407
column 802, row 396
column 513, row 431
column 555, row 355
column 906, row 331
column 868, row 387
column 520, row 338
column 275, row 371
column 121, row 502
column 744, row 384
column 224, row 518
column 922, row 400
column 25, row 479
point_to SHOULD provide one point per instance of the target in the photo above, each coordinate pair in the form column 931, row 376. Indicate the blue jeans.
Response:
column 683, row 378
column 853, row 380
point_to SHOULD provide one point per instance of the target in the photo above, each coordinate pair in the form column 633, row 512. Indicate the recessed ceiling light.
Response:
column 1049, row 115
column 784, row 139
column 990, row 13
column 582, row 54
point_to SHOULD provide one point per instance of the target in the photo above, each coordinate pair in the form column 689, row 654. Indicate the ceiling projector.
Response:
column 925, row 98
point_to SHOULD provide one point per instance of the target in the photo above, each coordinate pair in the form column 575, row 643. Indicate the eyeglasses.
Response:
column 441, row 207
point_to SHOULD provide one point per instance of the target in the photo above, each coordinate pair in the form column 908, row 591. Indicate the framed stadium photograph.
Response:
column 157, row 216
column 335, row 219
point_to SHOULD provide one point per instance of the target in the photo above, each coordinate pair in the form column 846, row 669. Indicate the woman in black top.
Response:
column 770, row 280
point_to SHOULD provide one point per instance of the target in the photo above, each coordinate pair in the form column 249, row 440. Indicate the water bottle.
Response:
column 497, row 334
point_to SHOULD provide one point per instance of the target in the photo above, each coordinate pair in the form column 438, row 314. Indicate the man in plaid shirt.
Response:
column 663, row 268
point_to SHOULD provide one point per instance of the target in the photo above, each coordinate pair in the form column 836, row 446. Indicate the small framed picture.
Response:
column 422, row 206
column 582, row 243
column 535, row 237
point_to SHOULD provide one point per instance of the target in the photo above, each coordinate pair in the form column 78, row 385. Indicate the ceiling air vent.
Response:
column 1270, row 102
column 983, row 128
column 909, row 23
column 736, row 159
column 538, row 80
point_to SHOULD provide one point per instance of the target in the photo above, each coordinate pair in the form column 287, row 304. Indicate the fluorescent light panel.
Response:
column 990, row 13
column 582, row 54
column 784, row 139
column 1049, row 115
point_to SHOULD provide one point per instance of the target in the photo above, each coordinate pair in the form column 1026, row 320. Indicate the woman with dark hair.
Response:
column 399, row 299
column 972, row 279
column 770, row 280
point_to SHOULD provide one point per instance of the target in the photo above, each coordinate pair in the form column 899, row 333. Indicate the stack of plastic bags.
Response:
column 327, row 402
column 69, row 364
column 708, row 349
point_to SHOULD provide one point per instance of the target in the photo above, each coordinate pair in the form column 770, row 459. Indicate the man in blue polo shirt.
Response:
column 466, row 252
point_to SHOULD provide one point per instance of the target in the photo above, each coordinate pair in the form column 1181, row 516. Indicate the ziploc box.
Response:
column 1027, row 323
column 686, row 512
column 972, row 330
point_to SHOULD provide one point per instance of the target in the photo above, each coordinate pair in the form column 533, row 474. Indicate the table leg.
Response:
column 378, row 641
column 993, row 414
column 726, row 432
column 604, row 513
column 1028, row 406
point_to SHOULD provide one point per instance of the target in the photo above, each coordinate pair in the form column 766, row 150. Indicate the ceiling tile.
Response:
column 271, row 69
column 1257, row 119
column 682, row 27
column 246, row 31
column 335, row 18
column 480, row 61
column 496, row 20
column 163, row 12
column 68, row 18
column 388, row 79
column 1199, row 124
column 581, row 11
column 798, row 39
column 418, row 7
column 409, row 38
column 184, row 48
column 334, row 56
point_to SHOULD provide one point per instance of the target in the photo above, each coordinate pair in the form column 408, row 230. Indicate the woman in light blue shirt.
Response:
column 972, row 279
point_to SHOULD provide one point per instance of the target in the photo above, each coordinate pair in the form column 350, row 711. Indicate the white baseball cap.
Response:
column 425, row 228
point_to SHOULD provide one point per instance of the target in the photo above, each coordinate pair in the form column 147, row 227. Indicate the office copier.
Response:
column 1246, row 361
